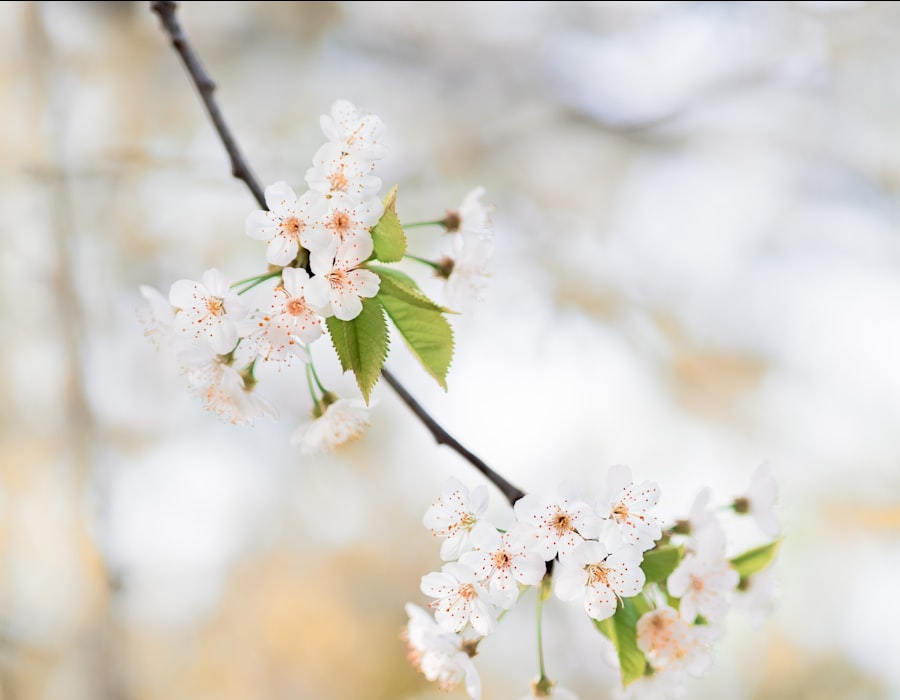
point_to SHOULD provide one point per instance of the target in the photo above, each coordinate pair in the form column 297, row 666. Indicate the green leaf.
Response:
column 425, row 330
column 621, row 629
column 660, row 562
column 401, row 285
column 387, row 234
column 362, row 344
column 755, row 560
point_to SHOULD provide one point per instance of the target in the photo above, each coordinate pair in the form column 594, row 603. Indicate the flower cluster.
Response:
column 322, row 250
column 611, row 555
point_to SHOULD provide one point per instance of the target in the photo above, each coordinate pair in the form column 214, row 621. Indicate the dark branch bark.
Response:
column 206, row 87
column 239, row 168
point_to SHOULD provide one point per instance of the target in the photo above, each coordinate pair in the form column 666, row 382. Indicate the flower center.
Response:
column 341, row 223
column 597, row 573
column 620, row 512
column 295, row 307
column 338, row 180
column 467, row 591
column 501, row 560
column 562, row 523
column 291, row 227
column 215, row 306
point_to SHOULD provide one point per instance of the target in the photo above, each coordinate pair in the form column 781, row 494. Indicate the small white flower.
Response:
column 472, row 244
column 440, row 655
column 704, row 585
column 222, row 388
column 208, row 311
column 338, row 288
column 159, row 320
column 287, row 223
column 456, row 515
column 360, row 133
column 343, row 421
column 344, row 231
column 758, row 594
column 628, row 505
column 558, row 523
column 288, row 322
column 599, row 578
column 504, row 561
column 459, row 599
column 760, row 499
column 337, row 171
column 668, row 641
column 706, row 534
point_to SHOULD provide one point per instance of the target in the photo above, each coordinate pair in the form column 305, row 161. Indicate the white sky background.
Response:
column 697, row 268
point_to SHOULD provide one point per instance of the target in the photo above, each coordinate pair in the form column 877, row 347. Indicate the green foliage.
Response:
column 660, row 562
column 755, row 560
column 621, row 629
column 420, row 321
column 387, row 234
column 362, row 344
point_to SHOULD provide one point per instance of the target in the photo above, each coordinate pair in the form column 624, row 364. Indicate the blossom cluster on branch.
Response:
column 326, row 254
column 660, row 595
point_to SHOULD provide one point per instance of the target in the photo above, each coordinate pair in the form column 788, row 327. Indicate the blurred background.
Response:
column 697, row 268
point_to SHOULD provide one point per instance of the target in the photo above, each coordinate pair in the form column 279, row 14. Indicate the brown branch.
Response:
column 206, row 87
column 239, row 168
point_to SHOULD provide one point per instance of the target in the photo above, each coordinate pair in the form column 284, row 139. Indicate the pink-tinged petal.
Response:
column 260, row 225
column 280, row 198
column 281, row 250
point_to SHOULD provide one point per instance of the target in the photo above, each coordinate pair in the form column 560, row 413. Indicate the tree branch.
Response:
column 239, row 168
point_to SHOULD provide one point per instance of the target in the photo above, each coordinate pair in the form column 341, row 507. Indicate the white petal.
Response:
column 280, row 198
column 260, row 225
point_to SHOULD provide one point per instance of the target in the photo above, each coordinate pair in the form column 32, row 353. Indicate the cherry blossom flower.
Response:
column 342, row 421
column 159, row 320
column 759, row 501
column 668, row 641
column 472, row 244
column 288, row 322
column 704, row 585
column 287, row 223
column 208, row 311
column 459, row 599
column 440, row 655
column 357, row 132
column 456, row 515
column 338, row 287
column 667, row 684
column 222, row 388
column 599, row 578
column 336, row 171
column 345, row 225
column 757, row 595
column 628, row 506
column 558, row 523
column 504, row 561
column 706, row 534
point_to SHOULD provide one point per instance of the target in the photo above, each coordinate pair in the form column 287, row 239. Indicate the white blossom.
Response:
column 503, row 561
column 472, row 244
column 342, row 421
column 208, row 311
column 354, row 130
column 343, row 232
column 598, row 578
column 559, row 522
column 287, row 223
column 760, row 499
column 757, row 595
column 287, row 322
column 456, row 515
column 704, row 585
column 459, row 599
column 159, row 320
column 222, row 388
column 706, row 534
column 668, row 641
column 439, row 654
column 338, row 288
column 628, row 506
column 337, row 171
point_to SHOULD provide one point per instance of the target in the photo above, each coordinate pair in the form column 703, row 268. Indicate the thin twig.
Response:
column 442, row 437
column 206, row 87
column 239, row 168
